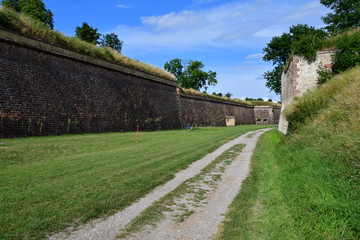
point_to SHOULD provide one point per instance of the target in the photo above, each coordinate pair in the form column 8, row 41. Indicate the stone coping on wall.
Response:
column 29, row 42
column 188, row 95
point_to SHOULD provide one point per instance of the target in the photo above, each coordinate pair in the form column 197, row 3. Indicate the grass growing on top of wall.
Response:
column 306, row 185
column 236, row 100
column 196, row 92
column 48, row 183
column 26, row 25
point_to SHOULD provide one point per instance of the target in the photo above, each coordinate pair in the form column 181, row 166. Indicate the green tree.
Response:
column 346, row 14
column 281, row 47
column 111, row 40
column 191, row 75
column 228, row 95
column 273, row 79
column 87, row 33
column 33, row 8
column 175, row 67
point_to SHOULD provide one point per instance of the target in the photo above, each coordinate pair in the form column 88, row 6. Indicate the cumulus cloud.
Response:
column 228, row 25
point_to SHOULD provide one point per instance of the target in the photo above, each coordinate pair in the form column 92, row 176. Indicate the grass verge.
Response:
column 259, row 211
column 50, row 183
column 294, row 193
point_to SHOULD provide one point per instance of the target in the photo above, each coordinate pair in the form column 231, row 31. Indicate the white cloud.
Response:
column 255, row 56
column 235, row 24
column 173, row 21
column 122, row 6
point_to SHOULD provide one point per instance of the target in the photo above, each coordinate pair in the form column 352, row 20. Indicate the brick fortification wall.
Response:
column 201, row 111
column 47, row 90
column 300, row 77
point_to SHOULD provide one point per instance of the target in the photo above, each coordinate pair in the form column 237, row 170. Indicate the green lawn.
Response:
column 49, row 183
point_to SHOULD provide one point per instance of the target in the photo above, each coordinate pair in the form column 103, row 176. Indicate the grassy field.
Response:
column 49, row 183
column 306, row 185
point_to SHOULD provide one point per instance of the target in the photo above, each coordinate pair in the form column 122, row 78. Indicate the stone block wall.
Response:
column 300, row 77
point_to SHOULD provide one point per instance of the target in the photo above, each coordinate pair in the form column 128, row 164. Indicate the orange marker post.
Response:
column 137, row 133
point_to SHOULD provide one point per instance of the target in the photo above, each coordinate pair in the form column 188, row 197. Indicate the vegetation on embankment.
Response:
column 9, row 19
column 305, row 108
column 306, row 185
column 50, row 183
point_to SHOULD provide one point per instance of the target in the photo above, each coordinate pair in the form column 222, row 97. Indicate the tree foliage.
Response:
column 228, row 95
column 111, row 40
column 346, row 14
column 191, row 75
column 301, row 39
column 175, row 67
column 348, row 52
column 87, row 33
column 273, row 79
column 33, row 8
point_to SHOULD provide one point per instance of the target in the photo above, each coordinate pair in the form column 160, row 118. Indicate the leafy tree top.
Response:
column 279, row 48
column 346, row 14
column 191, row 75
column 111, row 40
column 34, row 8
column 87, row 33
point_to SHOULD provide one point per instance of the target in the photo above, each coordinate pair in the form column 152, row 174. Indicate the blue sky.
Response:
column 227, row 36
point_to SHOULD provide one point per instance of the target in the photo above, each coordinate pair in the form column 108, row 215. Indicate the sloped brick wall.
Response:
column 42, row 93
column 47, row 89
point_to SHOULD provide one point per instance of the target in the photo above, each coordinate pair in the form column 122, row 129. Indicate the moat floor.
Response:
column 196, row 213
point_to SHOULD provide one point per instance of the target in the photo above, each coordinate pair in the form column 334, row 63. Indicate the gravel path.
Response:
column 200, row 225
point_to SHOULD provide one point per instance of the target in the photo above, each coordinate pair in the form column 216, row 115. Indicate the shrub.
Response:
column 348, row 54
column 307, row 45
column 324, row 75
